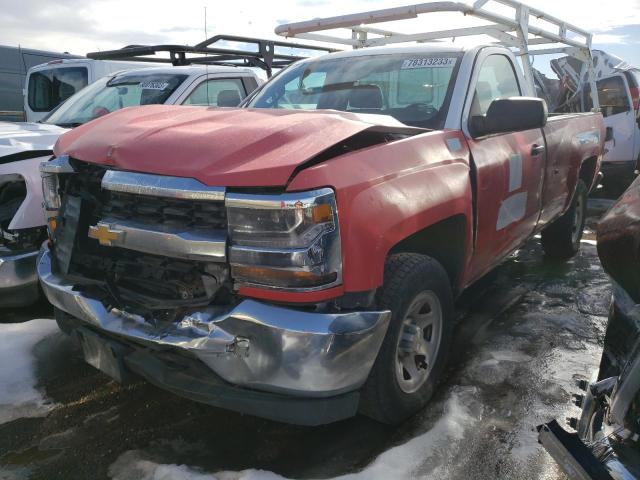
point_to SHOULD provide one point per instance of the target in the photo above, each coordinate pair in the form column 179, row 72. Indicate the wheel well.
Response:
column 13, row 191
column 588, row 171
column 443, row 241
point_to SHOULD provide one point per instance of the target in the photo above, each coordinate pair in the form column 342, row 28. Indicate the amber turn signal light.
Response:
column 322, row 213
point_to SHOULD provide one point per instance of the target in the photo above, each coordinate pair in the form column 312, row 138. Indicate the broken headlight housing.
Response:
column 289, row 241
column 50, row 172
column 50, row 186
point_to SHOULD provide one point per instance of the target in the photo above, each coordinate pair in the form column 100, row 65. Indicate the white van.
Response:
column 49, row 84
column 14, row 64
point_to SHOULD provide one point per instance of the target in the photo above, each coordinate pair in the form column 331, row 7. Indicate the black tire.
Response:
column 561, row 239
column 408, row 278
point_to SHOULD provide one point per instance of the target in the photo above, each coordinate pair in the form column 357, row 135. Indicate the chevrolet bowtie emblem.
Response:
column 105, row 234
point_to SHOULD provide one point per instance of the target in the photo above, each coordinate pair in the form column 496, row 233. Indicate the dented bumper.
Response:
column 252, row 345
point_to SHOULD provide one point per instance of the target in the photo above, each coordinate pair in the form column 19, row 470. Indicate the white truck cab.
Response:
column 618, row 85
column 49, row 84
column 620, row 101
column 188, row 85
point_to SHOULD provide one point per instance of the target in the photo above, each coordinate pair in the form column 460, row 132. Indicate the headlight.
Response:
column 50, row 193
column 289, row 241
column 50, row 171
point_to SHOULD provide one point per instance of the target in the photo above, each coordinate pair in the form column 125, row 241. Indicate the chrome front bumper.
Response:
column 254, row 344
column 18, row 279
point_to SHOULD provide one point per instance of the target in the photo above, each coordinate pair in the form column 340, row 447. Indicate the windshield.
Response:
column 110, row 94
column 414, row 89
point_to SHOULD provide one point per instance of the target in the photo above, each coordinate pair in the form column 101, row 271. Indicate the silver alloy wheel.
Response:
column 418, row 342
column 577, row 219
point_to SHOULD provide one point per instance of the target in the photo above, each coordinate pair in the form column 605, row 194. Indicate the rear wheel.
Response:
column 413, row 355
column 562, row 238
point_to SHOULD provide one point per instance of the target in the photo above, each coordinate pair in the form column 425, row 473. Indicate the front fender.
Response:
column 389, row 192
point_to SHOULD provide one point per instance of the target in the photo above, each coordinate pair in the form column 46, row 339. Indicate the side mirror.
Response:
column 514, row 114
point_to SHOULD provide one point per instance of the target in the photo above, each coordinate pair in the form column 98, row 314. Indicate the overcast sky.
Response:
column 81, row 26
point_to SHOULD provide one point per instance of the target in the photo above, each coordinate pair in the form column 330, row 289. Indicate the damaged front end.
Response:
column 18, row 244
column 146, row 271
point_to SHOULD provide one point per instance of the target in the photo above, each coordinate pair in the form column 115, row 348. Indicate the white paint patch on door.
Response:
column 512, row 210
column 515, row 172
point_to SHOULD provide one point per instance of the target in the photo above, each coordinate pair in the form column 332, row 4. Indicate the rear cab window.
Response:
column 217, row 92
column 48, row 88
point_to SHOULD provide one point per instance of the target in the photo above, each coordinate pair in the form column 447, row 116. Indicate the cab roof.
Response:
column 187, row 70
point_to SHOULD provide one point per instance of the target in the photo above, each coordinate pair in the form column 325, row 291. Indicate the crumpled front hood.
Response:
column 217, row 146
column 21, row 137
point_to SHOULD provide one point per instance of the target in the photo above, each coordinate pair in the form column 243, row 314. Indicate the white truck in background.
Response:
column 619, row 93
column 618, row 85
column 49, row 84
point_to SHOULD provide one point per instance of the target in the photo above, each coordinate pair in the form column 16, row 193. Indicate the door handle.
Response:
column 537, row 150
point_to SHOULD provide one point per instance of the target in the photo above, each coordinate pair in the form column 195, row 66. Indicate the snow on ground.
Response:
column 432, row 450
column 18, row 394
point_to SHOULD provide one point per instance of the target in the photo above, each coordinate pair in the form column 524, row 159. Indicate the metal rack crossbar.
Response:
column 207, row 53
column 519, row 32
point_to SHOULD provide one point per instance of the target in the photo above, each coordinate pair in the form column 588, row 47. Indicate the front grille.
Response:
column 171, row 212
column 130, row 278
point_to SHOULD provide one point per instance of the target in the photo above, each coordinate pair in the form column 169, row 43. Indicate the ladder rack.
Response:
column 519, row 31
column 264, row 54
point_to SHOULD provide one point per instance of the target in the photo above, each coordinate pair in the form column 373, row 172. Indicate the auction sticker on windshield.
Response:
column 437, row 62
column 154, row 85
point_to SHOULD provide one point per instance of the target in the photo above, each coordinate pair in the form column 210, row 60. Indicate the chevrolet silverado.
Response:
column 298, row 258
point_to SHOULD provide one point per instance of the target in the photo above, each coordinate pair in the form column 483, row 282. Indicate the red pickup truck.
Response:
column 298, row 258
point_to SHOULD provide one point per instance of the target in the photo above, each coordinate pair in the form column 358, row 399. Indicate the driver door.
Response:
column 507, row 168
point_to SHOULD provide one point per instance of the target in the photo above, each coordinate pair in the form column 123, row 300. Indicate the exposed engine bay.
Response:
column 138, row 282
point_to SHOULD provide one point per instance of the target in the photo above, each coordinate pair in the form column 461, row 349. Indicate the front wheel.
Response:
column 413, row 354
column 562, row 238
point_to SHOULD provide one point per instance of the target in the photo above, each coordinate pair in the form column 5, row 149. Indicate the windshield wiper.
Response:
column 69, row 124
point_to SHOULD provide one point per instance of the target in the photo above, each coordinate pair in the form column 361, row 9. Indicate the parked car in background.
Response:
column 298, row 258
column 605, row 443
column 14, row 64
column 50, row 84
column 24, row 145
